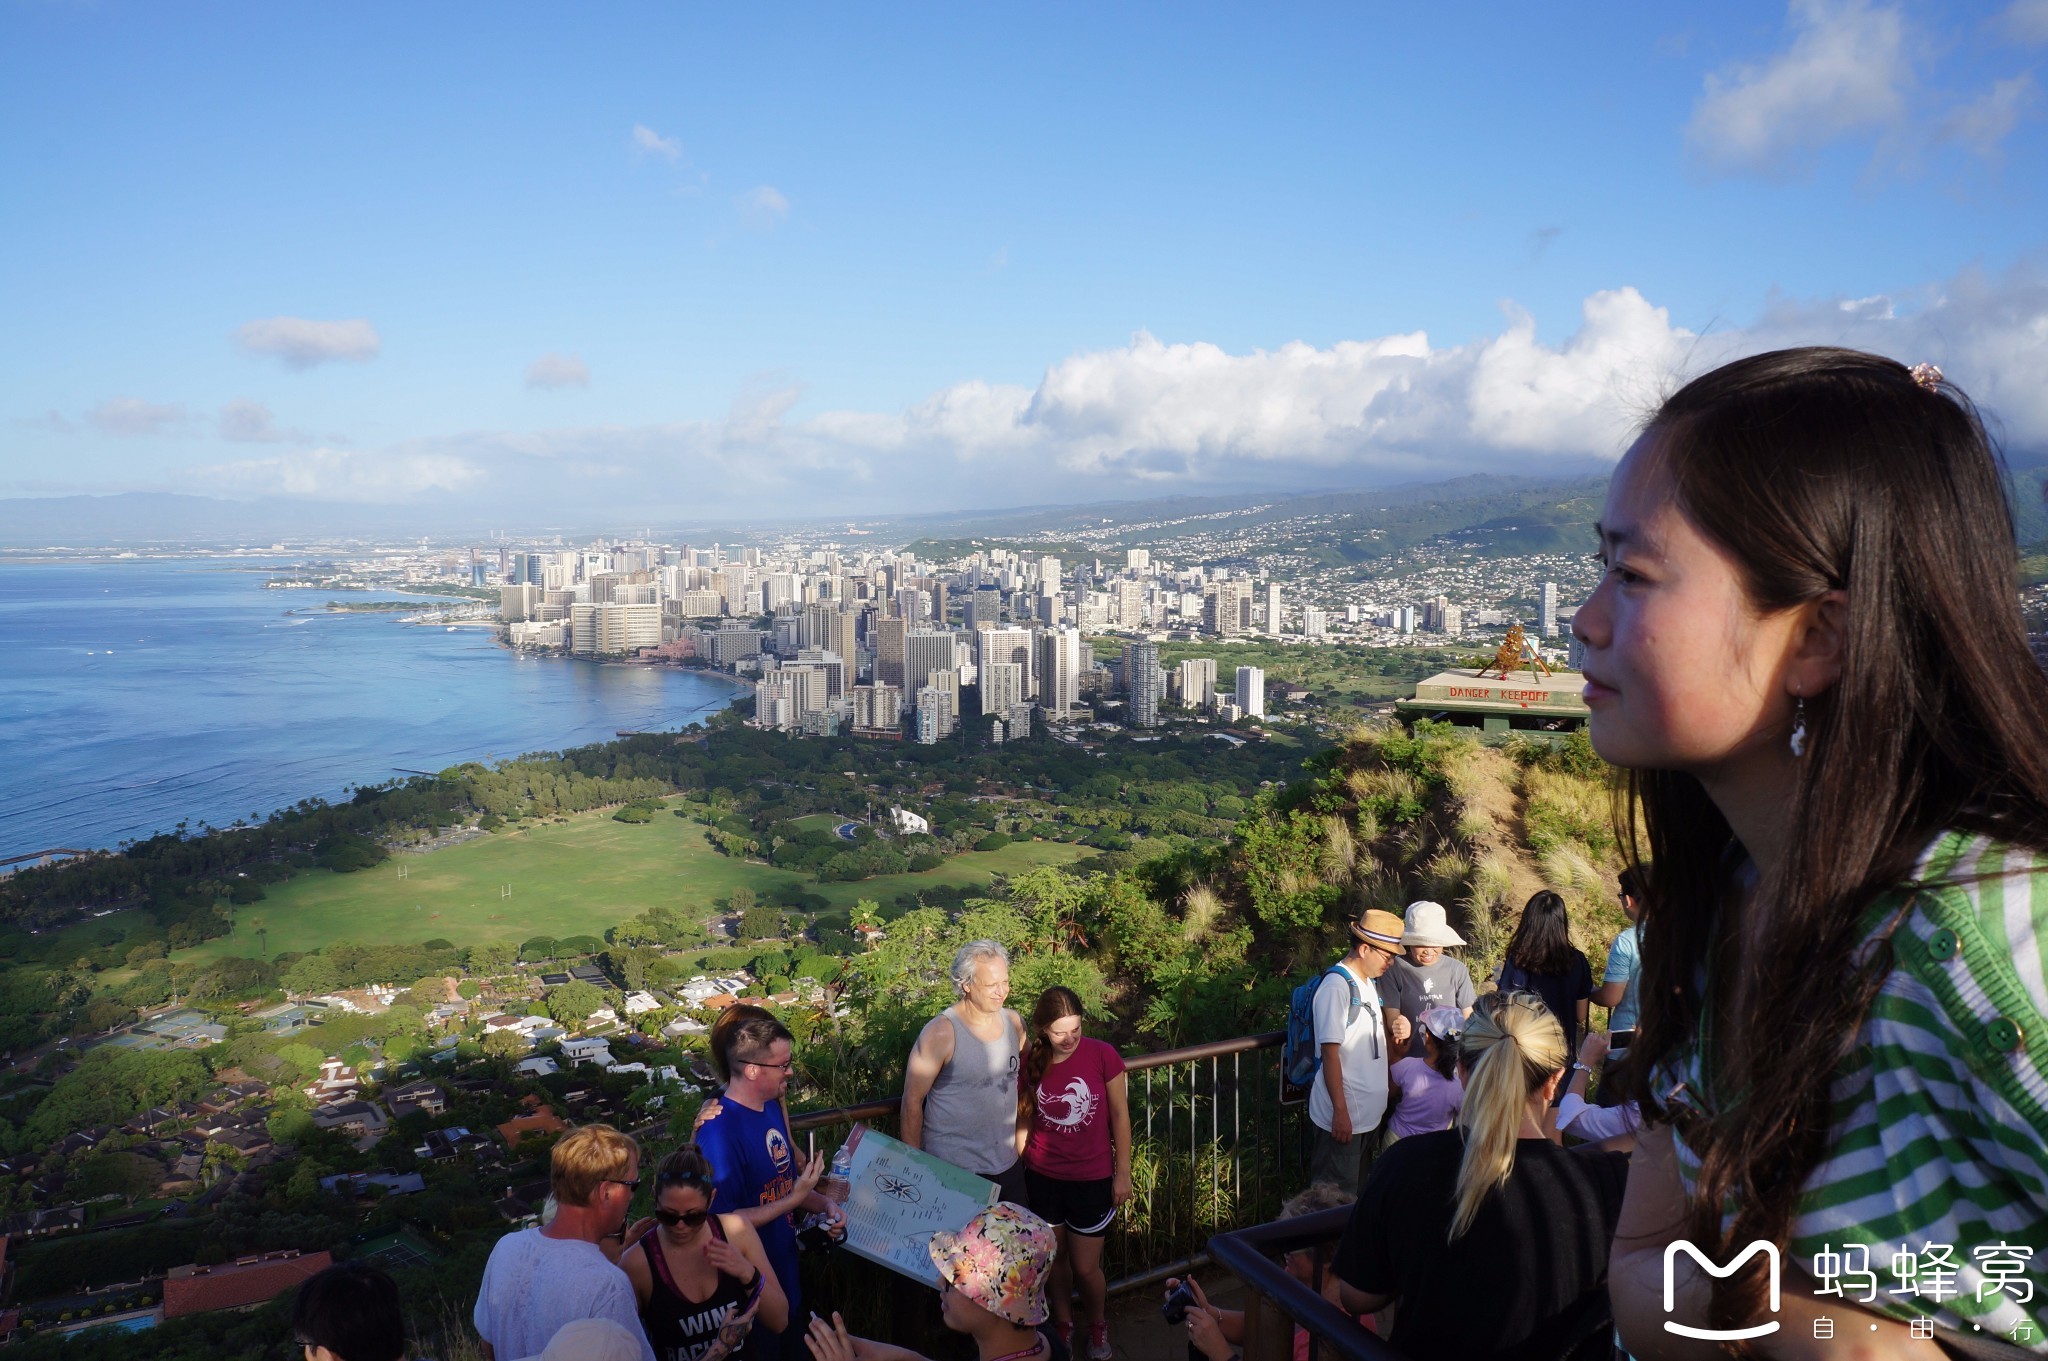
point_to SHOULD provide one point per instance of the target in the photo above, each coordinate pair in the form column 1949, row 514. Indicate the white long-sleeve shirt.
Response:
column 1595, row 1123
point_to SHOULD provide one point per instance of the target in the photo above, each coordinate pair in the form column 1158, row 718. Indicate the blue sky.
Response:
column 537, row 257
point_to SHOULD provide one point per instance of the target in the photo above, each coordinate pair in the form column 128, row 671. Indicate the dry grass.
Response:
column 1199, row 910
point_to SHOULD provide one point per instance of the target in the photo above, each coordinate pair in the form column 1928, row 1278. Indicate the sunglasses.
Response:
column 692, row 1218
column 630, row 1186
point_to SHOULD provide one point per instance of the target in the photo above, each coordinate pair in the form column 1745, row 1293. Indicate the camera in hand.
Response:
column 1176, row 1307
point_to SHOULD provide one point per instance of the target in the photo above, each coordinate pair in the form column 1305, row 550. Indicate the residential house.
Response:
column 422, row 1095
column 581, row 1049
column 541, row 1120
column 362, row 1185
column 363, row 1121
column 539, row 1065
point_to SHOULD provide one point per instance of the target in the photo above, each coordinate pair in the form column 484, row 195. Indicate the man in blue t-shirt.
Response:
column 1617, row 990
column 756, row 1169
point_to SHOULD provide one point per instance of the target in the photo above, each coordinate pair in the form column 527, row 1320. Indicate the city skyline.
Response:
column 699, row 264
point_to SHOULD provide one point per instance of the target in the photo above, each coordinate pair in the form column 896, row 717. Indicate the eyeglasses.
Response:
column 790, row 1062
column 693, row 1218
column 630, row 1186
column 1390, row 954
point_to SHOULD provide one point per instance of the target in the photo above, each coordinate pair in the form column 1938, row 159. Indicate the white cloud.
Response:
column 2026, row 21
column 558, row 371
column 648, row 142
column 1846, row 72
column 132, row 417
column 1153, row 415
column 1989, row 119
column 245, row 422
column 762, row 207
column 301, row 344
column 342, row 475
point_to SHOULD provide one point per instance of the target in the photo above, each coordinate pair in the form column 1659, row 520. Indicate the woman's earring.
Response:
column 1799, row 726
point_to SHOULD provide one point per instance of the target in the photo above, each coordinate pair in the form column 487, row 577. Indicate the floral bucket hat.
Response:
column 1000, row 1260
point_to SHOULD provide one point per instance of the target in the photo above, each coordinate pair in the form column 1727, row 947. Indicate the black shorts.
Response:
column 1082, row 1207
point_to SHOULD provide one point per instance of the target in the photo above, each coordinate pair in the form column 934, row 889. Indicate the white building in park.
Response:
column 908, row 823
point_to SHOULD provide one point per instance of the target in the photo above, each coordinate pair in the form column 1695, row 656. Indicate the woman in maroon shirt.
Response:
column 1077, row 1158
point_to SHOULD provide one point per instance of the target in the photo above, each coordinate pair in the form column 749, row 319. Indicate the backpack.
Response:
column 1301, row 1058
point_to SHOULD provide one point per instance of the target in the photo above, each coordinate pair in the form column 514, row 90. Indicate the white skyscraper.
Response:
column 1549, row 617
column 925, row 651
column 1138, row 560
column 1059, row 681
column 1197, row 680
column 1009, row 645
column 1274, row 614
column 1002, row 687
column 1312, row 622
column 1130, row 604
column 1251, row 691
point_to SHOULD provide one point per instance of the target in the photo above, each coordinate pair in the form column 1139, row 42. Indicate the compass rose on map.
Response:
column 896, row 1188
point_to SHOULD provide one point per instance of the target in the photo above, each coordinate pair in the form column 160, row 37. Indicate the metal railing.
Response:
column 1275, row 1302
column 1213, row 1146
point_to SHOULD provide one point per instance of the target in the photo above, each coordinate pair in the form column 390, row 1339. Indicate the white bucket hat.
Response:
column 1428, row 924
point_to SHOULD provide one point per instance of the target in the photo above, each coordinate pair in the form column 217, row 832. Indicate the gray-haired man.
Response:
column 960, row 1087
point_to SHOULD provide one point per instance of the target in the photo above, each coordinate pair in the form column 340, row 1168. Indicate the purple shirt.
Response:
column 1429, row 1100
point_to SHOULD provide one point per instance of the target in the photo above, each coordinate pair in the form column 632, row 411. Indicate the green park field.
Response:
column 576, row 877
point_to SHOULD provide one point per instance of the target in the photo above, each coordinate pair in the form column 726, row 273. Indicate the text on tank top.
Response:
column 680, row 1328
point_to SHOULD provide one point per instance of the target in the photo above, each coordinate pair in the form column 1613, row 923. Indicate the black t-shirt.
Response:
column 1561, row 992
column 1537, row 1248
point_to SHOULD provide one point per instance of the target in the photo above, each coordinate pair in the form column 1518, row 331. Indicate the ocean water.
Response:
column 138, row 694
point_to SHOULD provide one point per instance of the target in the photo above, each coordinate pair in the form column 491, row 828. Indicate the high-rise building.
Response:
column 1048, row 575
column 877, row 709
column 1130, row 604
column 1196, row 679
column 1549, row 618
column 1313, row 622
column 1251, row 691
column 1274, row 615
column 613, row 630
column 984, row 607
column 519, row 603
column 1138, row 560
column 775, row 702
column 924, row 652
column 1453, row 620
column 1224, row 607
column 1143, row 683
column 935, row 714
column 1059, row 670
column 1009, row 645
column 1002, row 687
column 889, row 634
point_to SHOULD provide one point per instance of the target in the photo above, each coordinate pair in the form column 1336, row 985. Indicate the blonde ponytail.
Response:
column 1510, row 1047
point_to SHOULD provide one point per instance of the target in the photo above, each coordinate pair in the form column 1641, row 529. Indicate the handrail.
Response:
column 1248, row 1255
column 884, row 1107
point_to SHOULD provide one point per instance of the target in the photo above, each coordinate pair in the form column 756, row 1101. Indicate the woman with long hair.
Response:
column 702, row 1278
column 1074, row 1106
column 1491, row 1236
column 1807, row 652
column 1542, row 959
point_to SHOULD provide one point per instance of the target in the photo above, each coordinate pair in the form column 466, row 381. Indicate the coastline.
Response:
column 187, row 696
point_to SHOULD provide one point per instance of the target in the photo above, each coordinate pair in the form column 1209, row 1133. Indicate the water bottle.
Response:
column 836, row 1185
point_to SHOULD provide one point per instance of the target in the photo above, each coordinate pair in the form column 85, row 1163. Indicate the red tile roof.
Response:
column 238, row 1285
column 542, row 1121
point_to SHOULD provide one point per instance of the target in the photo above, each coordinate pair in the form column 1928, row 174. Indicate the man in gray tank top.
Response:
column 960, row 1087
